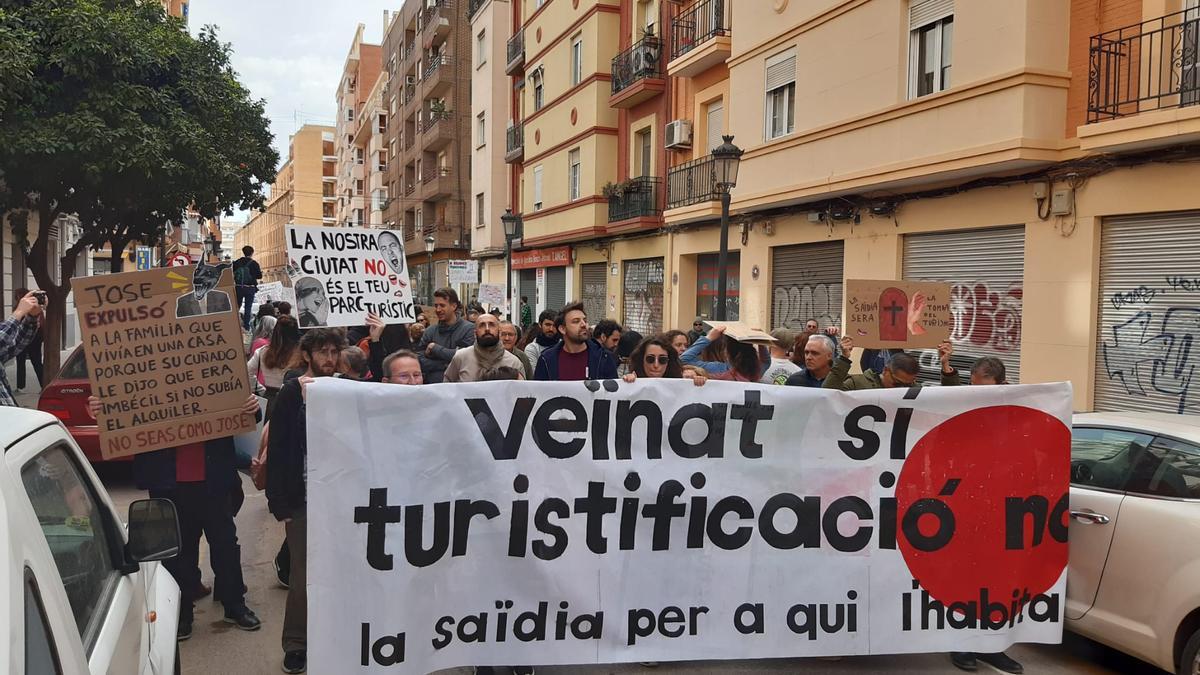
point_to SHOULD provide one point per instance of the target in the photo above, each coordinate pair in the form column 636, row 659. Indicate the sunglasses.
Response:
column 662, row 359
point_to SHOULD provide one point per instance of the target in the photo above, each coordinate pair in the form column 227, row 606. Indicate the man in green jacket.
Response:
column 901, row 371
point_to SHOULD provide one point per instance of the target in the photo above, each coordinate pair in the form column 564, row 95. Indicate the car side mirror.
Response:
column 153, row 531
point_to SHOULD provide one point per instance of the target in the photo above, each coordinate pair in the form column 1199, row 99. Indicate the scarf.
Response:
column 489, row 358
column 546, row 342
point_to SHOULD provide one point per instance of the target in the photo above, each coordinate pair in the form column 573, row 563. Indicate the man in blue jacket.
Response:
column 577, row 356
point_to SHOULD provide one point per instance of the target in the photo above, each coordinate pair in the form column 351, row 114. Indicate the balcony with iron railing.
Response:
column 637, row 73
column 515, row 62
column 437, row 130
column 700, row 38
column 514, row 143
column 692, row 182
column 439, row 75
column 637, row 198
column 1144, row 84
column 473, row 6
column 437, row 184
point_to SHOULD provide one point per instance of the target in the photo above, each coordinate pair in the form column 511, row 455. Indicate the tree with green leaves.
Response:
column 111, row 112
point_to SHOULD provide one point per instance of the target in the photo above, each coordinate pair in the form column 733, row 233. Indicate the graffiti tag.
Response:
column 1154, row 359
column 986, row 318
column 1141, row 295
column 792, row 306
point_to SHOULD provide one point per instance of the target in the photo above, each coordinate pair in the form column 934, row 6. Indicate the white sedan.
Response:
column 1134, row 578
column 79, row 593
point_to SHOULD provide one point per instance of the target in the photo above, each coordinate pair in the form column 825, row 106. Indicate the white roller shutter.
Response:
column 715, row 124
column 986, row 270
column 924, row 12
column 643, row 296
column 1149, row 318
column 806, row 283
column 595, row 290
column 781, row 69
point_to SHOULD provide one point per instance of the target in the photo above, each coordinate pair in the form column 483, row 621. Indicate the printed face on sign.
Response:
column 392, row 251
column 311, row 303
column 201, row 298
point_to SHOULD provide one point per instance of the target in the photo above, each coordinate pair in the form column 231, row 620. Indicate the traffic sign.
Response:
column 180, row 260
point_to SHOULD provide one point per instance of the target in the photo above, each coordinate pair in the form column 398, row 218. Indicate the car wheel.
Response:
column 1189, row 661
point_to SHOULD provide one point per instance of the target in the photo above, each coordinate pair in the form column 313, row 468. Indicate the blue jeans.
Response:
column 245, row 296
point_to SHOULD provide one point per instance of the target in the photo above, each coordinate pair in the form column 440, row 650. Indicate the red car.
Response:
column 66, row 398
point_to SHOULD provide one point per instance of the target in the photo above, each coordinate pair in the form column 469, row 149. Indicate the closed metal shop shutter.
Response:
column 806, row 283
column 527, row 288
column 1149, row 319
column 556, row 288
column 643, row 303
column 986, row 271
column 595, row 289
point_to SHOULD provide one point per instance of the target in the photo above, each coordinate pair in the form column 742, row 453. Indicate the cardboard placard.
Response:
column 886, row 314
column 165, row 356
column 742, row 332
column 340, row 274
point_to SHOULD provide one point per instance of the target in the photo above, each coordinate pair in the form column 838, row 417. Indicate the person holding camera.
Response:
column 16, row 333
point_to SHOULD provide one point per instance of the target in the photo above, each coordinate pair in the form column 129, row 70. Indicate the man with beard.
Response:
column 475, row 363
column 546, row 338
column 577, row 357
column 287, row 454
column 444, row 338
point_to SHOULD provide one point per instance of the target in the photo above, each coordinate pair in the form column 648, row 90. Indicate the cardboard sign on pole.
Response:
column 165, row 356
column 885, row 314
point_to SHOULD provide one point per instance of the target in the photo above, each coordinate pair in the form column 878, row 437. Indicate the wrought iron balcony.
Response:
column 473, row 6
column 696, row 25
column 638, row 199
column 640, row 62
column 1147, row 66
column 516, row 53
column 514, row 142
column 435, row 62
column 693, row 182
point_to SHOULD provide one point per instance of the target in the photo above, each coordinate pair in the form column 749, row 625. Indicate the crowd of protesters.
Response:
column 462, row 344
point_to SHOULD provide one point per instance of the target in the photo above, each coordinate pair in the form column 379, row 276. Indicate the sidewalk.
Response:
column 28, row 398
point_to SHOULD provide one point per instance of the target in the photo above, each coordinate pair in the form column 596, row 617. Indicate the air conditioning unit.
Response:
column 410, row 80
column 679, row 134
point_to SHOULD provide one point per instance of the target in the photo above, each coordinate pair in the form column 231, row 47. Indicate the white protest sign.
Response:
column 275, row 291
column 340, row 274
column 574, row 523
column 464, row 272
column 492, row 294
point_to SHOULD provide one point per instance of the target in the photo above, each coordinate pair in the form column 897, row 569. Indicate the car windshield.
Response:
column 75, row 368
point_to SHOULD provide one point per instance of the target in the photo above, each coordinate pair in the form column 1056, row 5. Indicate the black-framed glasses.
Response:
column 662, row 359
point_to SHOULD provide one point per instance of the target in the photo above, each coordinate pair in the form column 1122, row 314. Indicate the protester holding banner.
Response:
column 654, row 358
column 383, row 339
column 444, row 338
column 16, row 333
column 817, row 357
column 473, row 364
column 577, row 357
column 402, row 367
column 287, row 456
column 901, row 371
column 544, row 336
column 508, row 338
column 678, row 341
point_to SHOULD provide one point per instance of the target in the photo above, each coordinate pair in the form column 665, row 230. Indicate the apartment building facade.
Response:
column 358, row 122
column 303, row 194
column 427, row 52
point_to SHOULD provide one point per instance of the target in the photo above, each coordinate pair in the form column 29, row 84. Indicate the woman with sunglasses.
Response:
column 654, row 357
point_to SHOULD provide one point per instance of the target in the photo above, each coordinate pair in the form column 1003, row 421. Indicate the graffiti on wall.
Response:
column 792, row 306
column 983, row 319
column 1150, row 353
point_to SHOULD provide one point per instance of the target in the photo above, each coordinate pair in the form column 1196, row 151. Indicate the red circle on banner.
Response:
column 989, row 467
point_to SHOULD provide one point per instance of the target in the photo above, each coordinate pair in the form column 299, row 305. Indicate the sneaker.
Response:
column 1001, row 662
column 281, row 575
column 243, row 618
column 184, row 630
column 964, row 661
column 295, row 661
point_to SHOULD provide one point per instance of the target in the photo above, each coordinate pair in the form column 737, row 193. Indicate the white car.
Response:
column 78, row 592
column 1134, row 578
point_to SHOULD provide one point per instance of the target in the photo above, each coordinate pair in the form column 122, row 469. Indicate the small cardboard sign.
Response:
column 885, row 314
column 742, row 332
column 165, row 357
column 492, row 294
column 463, row 272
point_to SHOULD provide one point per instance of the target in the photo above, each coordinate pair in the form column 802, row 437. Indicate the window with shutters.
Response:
column 931, row 37
column 537, row 188
column 645, row 152
column 781, row 95
column 573, row 174
column 714, row 124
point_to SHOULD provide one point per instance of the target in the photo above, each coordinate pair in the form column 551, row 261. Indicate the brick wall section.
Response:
column 1088, row 18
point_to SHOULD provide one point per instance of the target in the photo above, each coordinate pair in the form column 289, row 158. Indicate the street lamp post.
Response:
column 726, row 158
column 511, row 222
column 430, row 244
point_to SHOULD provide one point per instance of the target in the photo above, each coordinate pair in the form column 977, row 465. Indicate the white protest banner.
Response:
column 340, row 274
column 493, row 294
column 580, row 523
column 275, row 291
column 464, row 271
